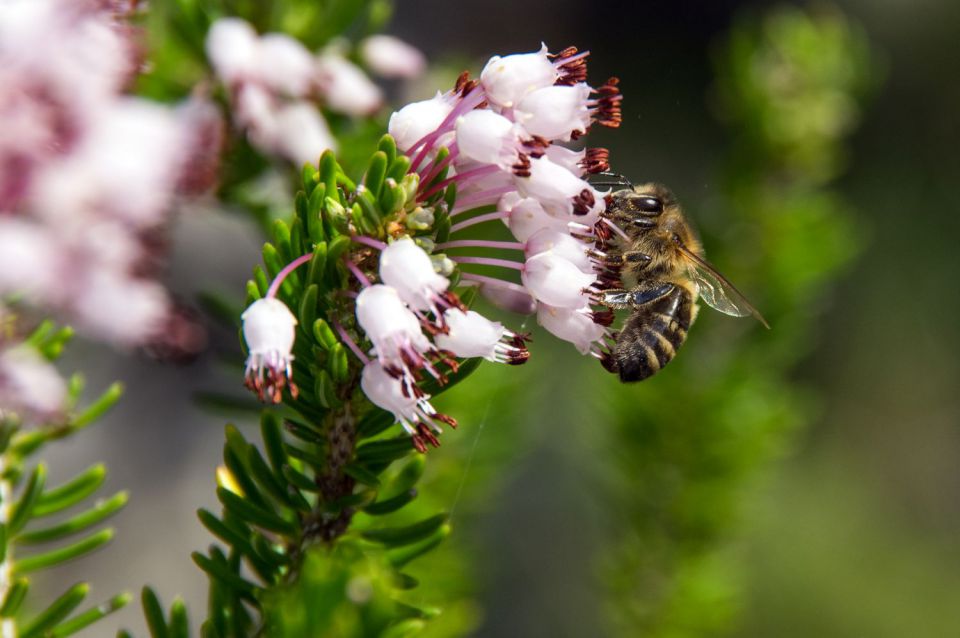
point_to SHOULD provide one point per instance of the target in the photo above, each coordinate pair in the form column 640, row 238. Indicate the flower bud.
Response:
column 269, row 329
column 507, row 79
column 412, row 122
column 408, row 269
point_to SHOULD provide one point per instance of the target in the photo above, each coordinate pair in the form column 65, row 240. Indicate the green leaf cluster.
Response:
column 321, row 499
column 44, row 526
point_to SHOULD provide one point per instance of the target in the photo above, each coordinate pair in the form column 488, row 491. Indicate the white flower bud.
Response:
column 391, row 57
column 232, row 46
column 573, row 325
column 473, row 335
column 30, row 386
column 560, row 192
column 269, row 329
column 555, row 112
column 346, row 88
column 412, row 122
column 285, row 65
column 555, row 281
column 562, row 245
column 507, row 79
column 487, row 137
column 408, row 269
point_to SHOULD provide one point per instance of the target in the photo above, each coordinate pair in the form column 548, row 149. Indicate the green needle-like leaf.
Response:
column 99, row 407
column 398, row 536
column 153, row 611
column 222, row 573
column 179, row 624
column 87, row 618
column 403, row 556
column 57, row 611
column 391, row 504
column 255, row 514
column 28, row 500
column 70, row 493
column 15, row 595
column 64, row 554
column 385, row 450
column 81, row 522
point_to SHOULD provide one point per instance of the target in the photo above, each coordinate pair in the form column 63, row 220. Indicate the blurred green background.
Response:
column 802, row 482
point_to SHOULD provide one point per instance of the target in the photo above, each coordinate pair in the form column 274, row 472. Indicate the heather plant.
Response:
column 401, row 252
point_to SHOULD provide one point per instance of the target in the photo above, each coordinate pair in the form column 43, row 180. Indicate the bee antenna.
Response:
column 618, row 180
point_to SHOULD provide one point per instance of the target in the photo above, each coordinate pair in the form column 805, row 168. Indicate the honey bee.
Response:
column 663, row 258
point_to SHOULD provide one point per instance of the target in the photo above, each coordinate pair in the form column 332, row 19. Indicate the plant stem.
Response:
column 8, row 626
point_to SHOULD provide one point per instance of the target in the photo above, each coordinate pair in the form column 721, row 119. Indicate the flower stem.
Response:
column 356, row 272
column 476, row 220
column 368, row 241
column 482, row 243
column 8, row 627
column 289, row 268
column 345, row 336
column 490, row 261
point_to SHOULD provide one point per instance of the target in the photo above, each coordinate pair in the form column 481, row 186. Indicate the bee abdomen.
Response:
column 653, row 334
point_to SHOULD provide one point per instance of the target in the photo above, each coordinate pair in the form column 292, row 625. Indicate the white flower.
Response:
column 391, row 57
column 30, row 386
column 508, row 79
column 509, row 296
column 301, row 133
column 560, row 192
column 571, row 324
column 394, row 331
column 473, row 335
column 409, row 406
column 487, row 137
column 126, row 310
column 232, row 47
column 562, row 245
column 269, row 329
column 555, row 112
column 285, row 65
column 411, row 123
column 345, row 87
column 555, row 281
column 526, row 217
column 408, row 269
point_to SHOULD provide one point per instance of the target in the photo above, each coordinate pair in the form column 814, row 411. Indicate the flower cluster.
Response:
column 500, row 134
column 275, row 84
column 89, row 174
column 487, row 150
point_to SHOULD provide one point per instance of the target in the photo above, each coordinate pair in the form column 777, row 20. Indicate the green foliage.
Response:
column 687, row 442
column 29, row 541
column 321, row 506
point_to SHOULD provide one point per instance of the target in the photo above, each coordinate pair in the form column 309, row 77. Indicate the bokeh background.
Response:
column 841, row 519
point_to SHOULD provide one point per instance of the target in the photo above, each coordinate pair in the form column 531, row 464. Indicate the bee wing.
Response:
column 716, row 291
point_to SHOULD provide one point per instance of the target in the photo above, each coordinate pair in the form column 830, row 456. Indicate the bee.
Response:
column 662, row 256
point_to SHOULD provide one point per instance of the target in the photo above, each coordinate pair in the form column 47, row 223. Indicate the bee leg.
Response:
column 635, row 257
column 650, row 293
column 615, row 298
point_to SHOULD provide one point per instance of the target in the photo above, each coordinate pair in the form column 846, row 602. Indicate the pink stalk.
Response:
column 482, row 243
column 474, row 199
column 572, row 58
column 477, row 220
column 356, row 272
column 435, row 167
column 616, row 229
column 460, row 178
column 492, row 281
column 289, row 268
column 345, row 337
column 490, row 261
column 368, row 241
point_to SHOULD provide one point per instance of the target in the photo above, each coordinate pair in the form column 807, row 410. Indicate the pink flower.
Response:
column 269, row 329
column 345, row 87
column 30, row 386
column 391, row 57
column 506, row 80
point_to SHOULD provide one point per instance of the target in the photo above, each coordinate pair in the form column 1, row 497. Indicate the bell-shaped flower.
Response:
column 560, row 192
column 285, row 65
column 411, row 123
column 555, row 281
column 409, row 406
column 555, row 112
column 560, row 244
column 568, row 158
column 30, row 386
column 345, row 87
column 391, row 57
column 571, row 324
column 471, row 334
column 488, row 138
column 525, row 216
column 269, row 329
column 408, row 269
column 232, row 47
column 506, row 80
column 394, row 331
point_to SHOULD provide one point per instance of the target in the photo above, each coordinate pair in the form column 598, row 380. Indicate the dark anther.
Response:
column 596, row 160
column 583, row 202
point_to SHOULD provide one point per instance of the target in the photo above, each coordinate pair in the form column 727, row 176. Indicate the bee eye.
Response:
column 648, row 204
